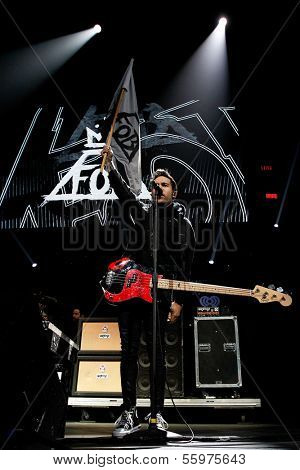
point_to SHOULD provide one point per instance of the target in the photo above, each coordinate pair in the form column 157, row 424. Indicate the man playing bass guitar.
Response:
column 176, row 242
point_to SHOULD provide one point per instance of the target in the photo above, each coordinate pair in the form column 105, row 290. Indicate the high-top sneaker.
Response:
column 127, row 423
column 161, row 422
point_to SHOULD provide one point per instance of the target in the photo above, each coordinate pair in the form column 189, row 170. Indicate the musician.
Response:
column 72, row 324
column 175, row 254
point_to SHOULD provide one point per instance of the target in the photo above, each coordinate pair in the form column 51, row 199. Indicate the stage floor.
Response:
column 92, row 435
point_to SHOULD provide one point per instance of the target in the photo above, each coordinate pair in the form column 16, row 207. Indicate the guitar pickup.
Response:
column 109, row 278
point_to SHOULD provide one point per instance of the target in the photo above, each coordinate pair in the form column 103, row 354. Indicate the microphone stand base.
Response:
column 151, row 435
column 155, row 433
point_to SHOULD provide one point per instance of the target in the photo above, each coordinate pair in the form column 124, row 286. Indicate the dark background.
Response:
column 264, row 72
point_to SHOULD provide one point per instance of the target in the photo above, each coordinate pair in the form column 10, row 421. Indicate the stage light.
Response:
column 25, row 69
column 211, row 261
column 276, row 225
column 203, row 77
column 223, row 21
column 34, row 265
column 97, row 28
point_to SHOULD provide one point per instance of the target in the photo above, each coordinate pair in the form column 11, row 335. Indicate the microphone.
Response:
column 157, row 189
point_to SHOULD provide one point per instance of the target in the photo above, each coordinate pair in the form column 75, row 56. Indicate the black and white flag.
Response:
column 126, row 134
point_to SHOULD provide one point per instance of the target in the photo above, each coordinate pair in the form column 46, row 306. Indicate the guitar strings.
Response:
column 120, row 278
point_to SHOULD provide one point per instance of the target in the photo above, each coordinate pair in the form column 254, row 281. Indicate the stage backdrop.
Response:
column 51, row 176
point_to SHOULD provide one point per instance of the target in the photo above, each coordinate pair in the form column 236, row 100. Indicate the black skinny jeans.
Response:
column 132, row 317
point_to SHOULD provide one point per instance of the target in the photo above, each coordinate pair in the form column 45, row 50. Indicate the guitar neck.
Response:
column 199, row 287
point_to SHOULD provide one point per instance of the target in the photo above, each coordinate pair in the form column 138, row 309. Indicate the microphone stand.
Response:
column 154, row 432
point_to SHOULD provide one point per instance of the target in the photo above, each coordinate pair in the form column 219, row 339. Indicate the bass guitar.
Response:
column 126, row 280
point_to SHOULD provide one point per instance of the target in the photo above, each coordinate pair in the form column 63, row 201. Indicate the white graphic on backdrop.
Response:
column 90, row 159
column 225, row 160
column 17, row 160
column 101, row 214
column 77, row 174
column 222, row 155
column 91, row 135
column 74, row 175
column 56, row 129
column 29, row 214
column 225, row 110
column 81, row 179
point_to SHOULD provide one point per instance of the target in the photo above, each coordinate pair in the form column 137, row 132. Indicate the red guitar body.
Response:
column 126, row 280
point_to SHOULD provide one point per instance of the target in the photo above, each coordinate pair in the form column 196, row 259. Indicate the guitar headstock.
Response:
column 265, row 295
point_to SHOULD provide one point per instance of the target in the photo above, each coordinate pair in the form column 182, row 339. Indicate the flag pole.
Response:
column 112, row 127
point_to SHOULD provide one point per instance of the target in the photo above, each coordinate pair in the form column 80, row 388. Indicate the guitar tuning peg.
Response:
column 271, row 286
column 279, row 289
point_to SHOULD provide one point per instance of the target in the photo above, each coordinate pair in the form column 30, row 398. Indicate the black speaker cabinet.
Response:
column 99, row 336
column 174, row 363
column 217, row 353
column 97, row 376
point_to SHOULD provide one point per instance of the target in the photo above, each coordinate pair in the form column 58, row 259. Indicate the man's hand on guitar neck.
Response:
column 175, row 312
column 107, row 153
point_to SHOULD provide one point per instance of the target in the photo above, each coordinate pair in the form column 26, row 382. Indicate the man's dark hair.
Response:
column 163, row 172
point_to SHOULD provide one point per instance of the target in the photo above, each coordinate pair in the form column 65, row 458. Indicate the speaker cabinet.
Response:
column 217, row 352
column 99, row 336
column 174, row 363
column 97, row 376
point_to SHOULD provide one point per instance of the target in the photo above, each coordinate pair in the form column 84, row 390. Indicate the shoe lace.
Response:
column 162, row 421
column 159, row 418
column 125, row 417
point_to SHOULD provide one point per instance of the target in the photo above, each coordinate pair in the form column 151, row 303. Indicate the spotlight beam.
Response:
column 27, row 83
column 43, row 65
column 244, row 84
column 24, row 70
column 22, row 248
